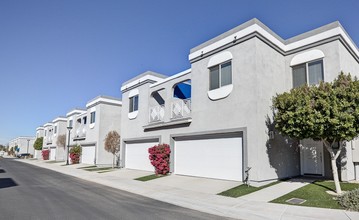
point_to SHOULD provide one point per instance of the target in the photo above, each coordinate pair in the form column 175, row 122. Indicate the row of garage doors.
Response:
column 218, row 157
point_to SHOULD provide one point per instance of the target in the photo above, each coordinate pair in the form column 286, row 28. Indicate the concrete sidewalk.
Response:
column 250, row 207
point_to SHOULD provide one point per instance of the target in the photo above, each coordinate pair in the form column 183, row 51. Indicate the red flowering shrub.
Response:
column 45, row 154
column 160, row 158
column 75, row 154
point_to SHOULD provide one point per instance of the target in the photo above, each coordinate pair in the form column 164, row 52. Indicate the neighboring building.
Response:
column 52, row 131
column 39, row 132
column 90, row 127
column 217, row 116
column 24, row 144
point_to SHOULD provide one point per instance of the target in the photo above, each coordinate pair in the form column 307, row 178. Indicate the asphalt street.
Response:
column 30, row 192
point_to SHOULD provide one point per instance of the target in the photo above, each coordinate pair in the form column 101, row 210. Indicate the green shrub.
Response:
column 350, row 200
column 38, row 143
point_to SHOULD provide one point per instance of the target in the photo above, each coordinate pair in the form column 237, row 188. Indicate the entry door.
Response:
column 312, row 157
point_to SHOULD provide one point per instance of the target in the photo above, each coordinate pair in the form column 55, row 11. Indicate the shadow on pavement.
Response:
column 2, row 171
column 7, row 182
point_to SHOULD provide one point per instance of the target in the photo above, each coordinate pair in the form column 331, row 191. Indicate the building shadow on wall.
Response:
column 7, row 182
column 283, row 152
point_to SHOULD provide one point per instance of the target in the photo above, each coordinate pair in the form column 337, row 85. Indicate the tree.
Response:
column 61, row 141
column 112, row 144
column 38, row 143
column 328, row 113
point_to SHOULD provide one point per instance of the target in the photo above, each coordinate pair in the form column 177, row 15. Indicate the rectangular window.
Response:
column 299, row 75
column 55, row 131
column 310, row 73
column 315, row 70
column 93, row 117
column 134, row 103
column 220, row 75
column 84, row 119
column 45, row 132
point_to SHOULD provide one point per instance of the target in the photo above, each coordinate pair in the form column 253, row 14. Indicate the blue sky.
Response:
column 57, row 55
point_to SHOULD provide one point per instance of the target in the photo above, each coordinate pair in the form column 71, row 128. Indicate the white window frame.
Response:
column 93, row 117
column 307, row 71
column 220, row 75
column 132, row 103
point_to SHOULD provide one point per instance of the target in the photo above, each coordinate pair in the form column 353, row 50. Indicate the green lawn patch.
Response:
column 149, row 177
column 316, row 195
column 106, row 171
column 54, row 161
column 92, row 166
column 98, row 169
column 243, row 189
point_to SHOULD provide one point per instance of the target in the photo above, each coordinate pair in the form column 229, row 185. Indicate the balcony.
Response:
column 80, row 133
column 157, row 113
column 170, row 103
column 49, row 139
column 181, row 108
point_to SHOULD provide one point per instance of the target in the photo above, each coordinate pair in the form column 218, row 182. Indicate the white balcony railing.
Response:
column 157, row 113
column 80, row 132
column 49, row 139
column 180, row 108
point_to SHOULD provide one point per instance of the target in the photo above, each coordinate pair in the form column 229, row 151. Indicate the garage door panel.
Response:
column 212, row 158
column 88, row 155
column 137, row 156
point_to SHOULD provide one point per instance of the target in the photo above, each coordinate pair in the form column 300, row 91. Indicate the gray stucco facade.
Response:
column 261, row 67
column 91, row 135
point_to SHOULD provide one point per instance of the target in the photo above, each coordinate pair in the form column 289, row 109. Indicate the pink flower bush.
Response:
column 45, row 154
column 160, row 158
column 75, row 158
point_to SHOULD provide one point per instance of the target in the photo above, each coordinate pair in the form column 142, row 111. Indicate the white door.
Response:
column 219, row 158
column 52, row 153
column 312, row 157
column 88, row 154
column 137, row 156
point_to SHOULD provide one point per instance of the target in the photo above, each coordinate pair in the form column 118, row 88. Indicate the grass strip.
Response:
column 54, row 161
column 149, row 177
column 243, row 189
column 87, row 167
column 98, row 169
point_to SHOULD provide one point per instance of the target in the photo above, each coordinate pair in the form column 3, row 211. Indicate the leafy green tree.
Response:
column 328, row 113
column 112, row 144
column 38, row 143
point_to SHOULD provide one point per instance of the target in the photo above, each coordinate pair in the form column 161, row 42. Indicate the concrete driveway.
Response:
column 196, row 184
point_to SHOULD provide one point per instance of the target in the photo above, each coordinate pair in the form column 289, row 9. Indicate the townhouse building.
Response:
column 217, row 115
column 52, row 131
column 89, row 128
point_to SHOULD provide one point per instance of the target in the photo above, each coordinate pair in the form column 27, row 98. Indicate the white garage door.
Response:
column 137, row 156
column 52, row 153
column 88, row 154
column 218, row 158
